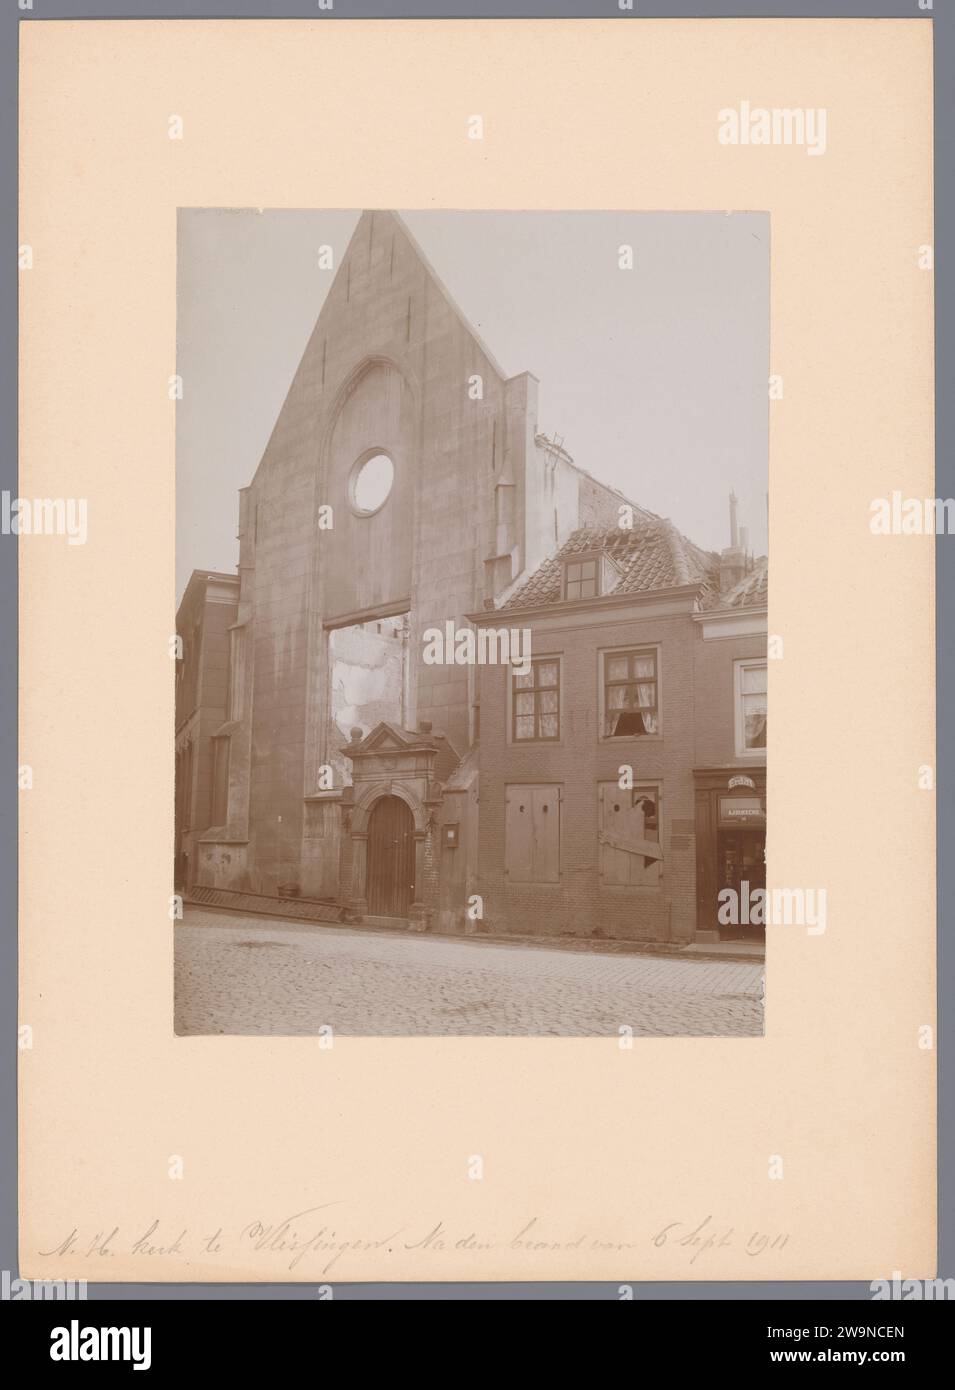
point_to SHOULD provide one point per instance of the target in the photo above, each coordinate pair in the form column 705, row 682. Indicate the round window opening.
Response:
column 371, row 483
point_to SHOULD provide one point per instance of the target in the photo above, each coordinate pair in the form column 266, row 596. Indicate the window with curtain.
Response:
column 750, row 707
column 535, row 702
column 631, row 686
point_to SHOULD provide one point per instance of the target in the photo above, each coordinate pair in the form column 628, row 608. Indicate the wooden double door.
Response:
column 391, row 858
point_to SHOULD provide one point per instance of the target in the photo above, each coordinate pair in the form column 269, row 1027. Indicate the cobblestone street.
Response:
column 246, row 975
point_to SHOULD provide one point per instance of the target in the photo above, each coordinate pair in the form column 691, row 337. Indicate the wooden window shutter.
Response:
column 546, row 826
column 532, row 834
column 518, row 835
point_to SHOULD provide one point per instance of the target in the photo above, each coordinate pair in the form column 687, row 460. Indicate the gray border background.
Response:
column 944, row 24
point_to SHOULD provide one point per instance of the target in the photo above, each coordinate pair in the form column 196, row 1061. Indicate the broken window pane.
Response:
column 630, row 694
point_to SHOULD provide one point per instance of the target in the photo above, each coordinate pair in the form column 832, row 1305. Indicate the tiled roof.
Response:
column 752, row 591
column 653, row 555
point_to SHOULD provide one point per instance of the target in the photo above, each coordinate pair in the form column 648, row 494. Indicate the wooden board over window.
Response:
column 629, row 836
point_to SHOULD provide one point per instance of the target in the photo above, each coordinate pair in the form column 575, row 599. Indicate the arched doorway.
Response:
column 391, row 858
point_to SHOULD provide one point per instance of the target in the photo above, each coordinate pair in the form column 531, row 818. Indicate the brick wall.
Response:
column 715, row 710
column 203, row 621
column 217, row 618
column 579, row 905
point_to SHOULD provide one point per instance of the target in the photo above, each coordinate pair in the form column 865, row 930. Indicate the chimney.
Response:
column 733, row 558
column 424, row 726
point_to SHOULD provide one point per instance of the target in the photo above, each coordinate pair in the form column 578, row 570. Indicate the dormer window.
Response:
column 588, row 576
column 581, row 578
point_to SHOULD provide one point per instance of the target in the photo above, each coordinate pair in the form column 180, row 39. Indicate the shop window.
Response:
column 532, row 834
column 750, row 708
column 535, row 702
column 630, row 692
column 629, row 836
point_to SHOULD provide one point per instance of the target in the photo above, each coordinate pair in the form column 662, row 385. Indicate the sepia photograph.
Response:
column 471, row 678
column 412, row 901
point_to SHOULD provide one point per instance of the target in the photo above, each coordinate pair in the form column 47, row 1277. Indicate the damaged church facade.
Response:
column 382, row 746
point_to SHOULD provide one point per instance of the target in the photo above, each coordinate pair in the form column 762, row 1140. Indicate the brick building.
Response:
column 203, row 622
column 730, row 678
column 622, row 777
column 407, row 489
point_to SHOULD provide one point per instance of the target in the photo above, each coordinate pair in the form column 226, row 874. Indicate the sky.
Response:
column 655, row 379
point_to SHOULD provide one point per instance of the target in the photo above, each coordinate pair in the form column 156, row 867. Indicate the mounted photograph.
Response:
column 471, row 628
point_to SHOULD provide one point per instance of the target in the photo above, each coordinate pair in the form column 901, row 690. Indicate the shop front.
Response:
column 730, row 851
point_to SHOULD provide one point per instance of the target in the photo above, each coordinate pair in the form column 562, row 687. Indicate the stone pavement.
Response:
column 250, row 975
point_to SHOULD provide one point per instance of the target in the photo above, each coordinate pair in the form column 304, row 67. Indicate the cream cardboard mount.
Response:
column 806, row 1153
